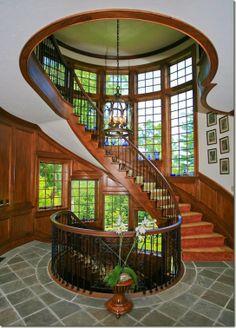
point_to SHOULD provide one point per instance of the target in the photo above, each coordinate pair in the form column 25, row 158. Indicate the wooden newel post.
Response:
column 118, row 303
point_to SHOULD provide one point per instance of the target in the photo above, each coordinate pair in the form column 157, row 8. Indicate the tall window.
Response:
column 86, row 113
column 50, row 185
column 111, row 84
column 149, row 127
column 83, row 199
column 149, row 82
column 114, row 206
column 88, row 80
column 181, row 72
column 182, row 133
column 55, row 71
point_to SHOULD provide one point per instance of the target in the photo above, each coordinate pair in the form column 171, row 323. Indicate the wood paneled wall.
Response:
column 206, row 196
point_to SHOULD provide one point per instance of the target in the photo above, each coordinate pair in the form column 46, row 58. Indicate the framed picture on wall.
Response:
column 212, row 155
column 211, row 119
column 211, row 137
column 224, row 145
column 224, row 124
column 224, row 166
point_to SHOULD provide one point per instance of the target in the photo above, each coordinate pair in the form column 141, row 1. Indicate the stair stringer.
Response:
column 98, row 153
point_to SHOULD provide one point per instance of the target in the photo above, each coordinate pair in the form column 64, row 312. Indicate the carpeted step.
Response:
column 191, row 217
column 184, row 207
column 204, row 240
column 196, row 228
column 221, row 253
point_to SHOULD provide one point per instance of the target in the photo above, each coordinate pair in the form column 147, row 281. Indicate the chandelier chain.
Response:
column 118, row 48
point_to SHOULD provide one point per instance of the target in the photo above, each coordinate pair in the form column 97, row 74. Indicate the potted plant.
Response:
column 122, row 277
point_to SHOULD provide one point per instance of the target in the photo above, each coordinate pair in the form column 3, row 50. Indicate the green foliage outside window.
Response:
column 83, row 199
column 111, row 84
column 55, row 71
column 88, row 80
column 50, row 185
column 150, row 243
column 115, row 206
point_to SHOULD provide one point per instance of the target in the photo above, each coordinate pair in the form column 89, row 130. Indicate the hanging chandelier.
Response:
column 117, row 111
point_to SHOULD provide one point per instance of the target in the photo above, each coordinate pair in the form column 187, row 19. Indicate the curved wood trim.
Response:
column 102, row 233
column 110, row 57
column 156, row 18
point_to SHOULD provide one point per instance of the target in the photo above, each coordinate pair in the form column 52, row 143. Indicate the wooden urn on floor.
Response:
column 118, row 303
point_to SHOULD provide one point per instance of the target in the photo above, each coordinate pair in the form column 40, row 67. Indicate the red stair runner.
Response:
column 199, row 241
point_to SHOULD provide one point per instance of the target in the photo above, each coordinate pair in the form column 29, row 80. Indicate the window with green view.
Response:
column 83, row 199
column 50, row 185
column 111, row 84
column 114, row 206
column 150, row 242
column 86, row 113
column 55, row 71
column 149, row 128
column 88, row 80
column 182, row 133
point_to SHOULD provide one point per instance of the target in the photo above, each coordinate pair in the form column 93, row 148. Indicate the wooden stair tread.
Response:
column 219, row 249
column 204, row 235
column 196, row 224
column 190, row 213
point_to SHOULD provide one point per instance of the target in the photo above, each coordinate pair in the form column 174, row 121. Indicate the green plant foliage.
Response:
column 113, row 277
column 132, row 275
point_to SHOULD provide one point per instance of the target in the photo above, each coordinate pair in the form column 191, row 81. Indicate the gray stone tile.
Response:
column 99, row 314
column 189, row 276
column 174, row 291
column 20, row 295
column 60, row 291
column 3, row 303
column 18, row 323
column 19, row 266
column 210, row 264
column 194, row 319
column 8, row 316
column 15, row 259
column 209, row 274
column 208, row 309
column 31, row 280
column 226, row 280
column 43, row 318
column 43, row 276
column 229, row 272
column 45, row 246
column 38, row 289
column 90, row 301
column 28, row 307
column 215, row 297
column 189, row 265
column 4, row 270
column 49, row 298
column 204, row 281
column 218, row 324
column 156, row 318
column 222, row 288
column 25, row 272
column 124, row 320
column 34, row 261
column 138, row 314
column 63, row 308
column 230, row 264
column 186, row 299
column 173, row 310
column 12, row 286
column 57, row 324
column 146, row 301
column 231, row 305
column 196, row 290
column 44, row 262
column 5, row 278
column 80, row 318
column 227, row 318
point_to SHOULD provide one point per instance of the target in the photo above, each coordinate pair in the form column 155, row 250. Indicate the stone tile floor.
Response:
column 29, row 297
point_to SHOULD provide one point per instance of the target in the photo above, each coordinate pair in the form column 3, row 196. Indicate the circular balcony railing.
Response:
column 82, row 257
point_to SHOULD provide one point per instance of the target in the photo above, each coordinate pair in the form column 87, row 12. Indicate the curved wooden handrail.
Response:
column 103, row 233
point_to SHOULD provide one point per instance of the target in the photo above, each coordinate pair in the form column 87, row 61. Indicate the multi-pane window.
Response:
column 115, row 206
column 88, row 80
column 55, row 71
column 149, row 128
column 149, row 82
column 181, row 72
column 83, row 199
column 111, row 84
column 86, row 113
column 149, row 242
column 50, row 185
column 182, row 133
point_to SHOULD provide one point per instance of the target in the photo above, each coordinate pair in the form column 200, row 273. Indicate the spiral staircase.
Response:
column 147, row 185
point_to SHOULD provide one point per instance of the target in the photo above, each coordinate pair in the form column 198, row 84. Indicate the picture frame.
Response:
column 211, row 137
column 224, row 145
column 224, row 165
column 212, row 155
column 211, row 118
column 224, row 124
